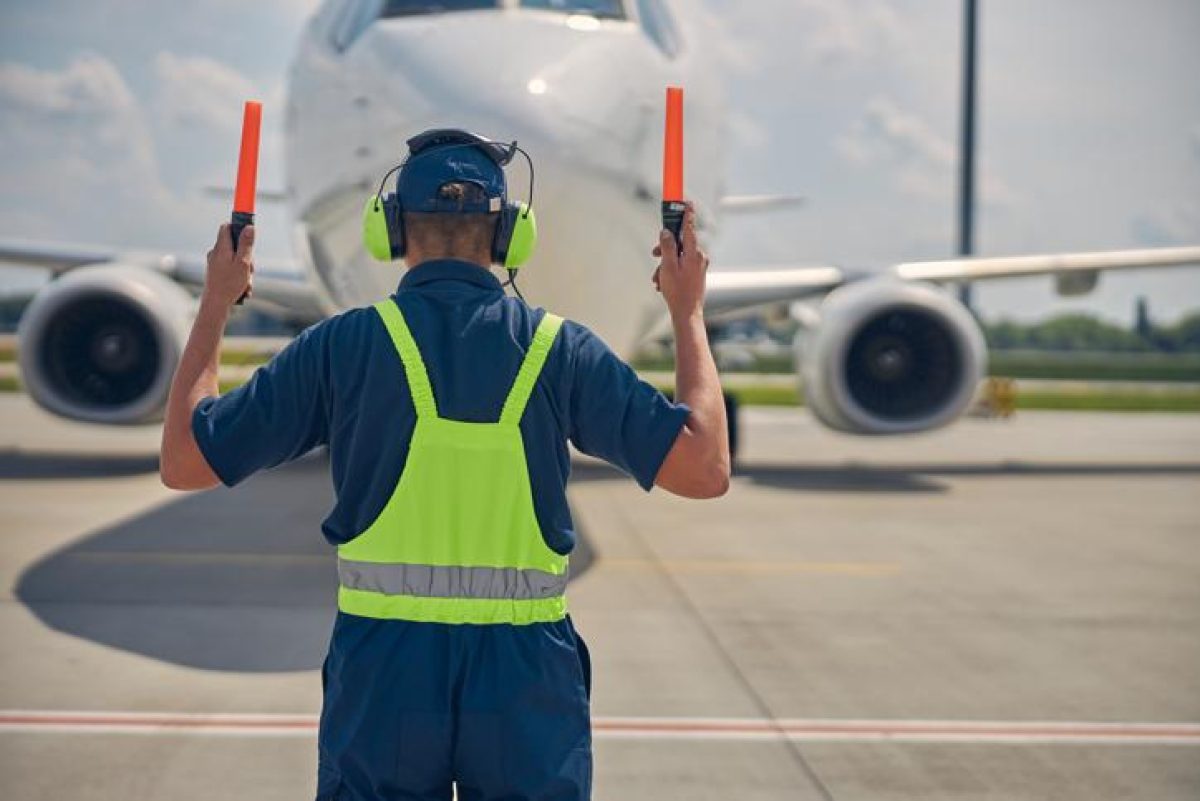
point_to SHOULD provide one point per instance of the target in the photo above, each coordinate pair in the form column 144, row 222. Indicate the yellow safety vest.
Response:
column 458, row 541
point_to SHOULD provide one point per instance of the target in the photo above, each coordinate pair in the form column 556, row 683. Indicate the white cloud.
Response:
column 196, row 111
column 888, row 137
column 840, row 31
column 748, row 131
column 918, row 158
column 79, row 122
column 885, row 132
column 1178, row 224
column 820, row 32
column 76, row 140
column 1196, row 141
column 728, row 48
column 196, row 91
column 90, row 85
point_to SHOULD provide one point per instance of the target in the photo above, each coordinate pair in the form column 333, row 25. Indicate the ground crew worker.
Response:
column 447, row 409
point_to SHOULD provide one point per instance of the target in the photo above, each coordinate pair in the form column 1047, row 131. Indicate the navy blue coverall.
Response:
column 393, row 723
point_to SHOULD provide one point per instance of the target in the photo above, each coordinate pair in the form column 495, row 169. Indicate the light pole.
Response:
column 966, row 176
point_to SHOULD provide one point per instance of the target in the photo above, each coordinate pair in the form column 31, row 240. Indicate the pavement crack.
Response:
column 690, row 607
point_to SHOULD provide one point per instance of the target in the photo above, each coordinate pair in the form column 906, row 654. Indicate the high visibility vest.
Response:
column 458, row 541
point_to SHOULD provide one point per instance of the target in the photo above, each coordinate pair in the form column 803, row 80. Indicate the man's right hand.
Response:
column 681, row 278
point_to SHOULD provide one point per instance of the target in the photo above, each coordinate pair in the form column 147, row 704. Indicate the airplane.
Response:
column 579, row 83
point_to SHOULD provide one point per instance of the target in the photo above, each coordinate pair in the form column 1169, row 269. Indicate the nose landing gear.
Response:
column 731, row 415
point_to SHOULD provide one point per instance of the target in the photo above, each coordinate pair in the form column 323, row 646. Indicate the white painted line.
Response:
column 225, row 724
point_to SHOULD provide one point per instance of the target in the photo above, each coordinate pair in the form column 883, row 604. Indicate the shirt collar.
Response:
column 448, row 270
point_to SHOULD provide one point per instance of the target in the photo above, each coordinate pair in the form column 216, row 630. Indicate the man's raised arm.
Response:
column 698, row 464
column 181, row 464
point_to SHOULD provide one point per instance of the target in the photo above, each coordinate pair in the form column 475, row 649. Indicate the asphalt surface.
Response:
column 1002, row 610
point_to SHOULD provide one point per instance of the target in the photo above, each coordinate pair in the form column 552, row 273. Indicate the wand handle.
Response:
column 672, row 220
column 237, row 222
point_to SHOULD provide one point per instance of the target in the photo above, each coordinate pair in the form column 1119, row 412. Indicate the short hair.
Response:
column 452, row 234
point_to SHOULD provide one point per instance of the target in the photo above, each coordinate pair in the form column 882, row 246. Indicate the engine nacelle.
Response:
column 887, row 357
column 101, row 343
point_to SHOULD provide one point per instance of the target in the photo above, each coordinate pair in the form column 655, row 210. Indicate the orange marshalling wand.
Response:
column 247, row 174
column 672, row 198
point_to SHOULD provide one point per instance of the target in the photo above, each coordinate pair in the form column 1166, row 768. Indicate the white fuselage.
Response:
column 584, row 97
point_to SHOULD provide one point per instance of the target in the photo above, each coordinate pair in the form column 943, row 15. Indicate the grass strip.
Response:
column 1060, row 366
column 1099, row 400
column 1110, row 401
column 1066, row 366
column 231, row 358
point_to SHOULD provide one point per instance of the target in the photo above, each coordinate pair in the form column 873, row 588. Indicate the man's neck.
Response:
column 415, row 260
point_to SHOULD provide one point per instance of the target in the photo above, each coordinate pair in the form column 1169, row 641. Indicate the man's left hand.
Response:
column 230, row 273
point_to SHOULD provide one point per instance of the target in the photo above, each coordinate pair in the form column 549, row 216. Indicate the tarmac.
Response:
column 999, row 610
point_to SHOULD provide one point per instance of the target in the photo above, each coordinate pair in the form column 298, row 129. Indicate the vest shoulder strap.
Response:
column 531, row 368
column 410, row 356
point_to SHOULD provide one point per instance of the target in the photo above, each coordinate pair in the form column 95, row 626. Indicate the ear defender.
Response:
column 516, row 236
column 383, row 228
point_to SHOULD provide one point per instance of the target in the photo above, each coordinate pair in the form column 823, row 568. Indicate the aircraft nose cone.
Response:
column 540, row 79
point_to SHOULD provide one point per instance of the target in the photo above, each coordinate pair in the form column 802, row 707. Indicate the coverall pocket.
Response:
column 329, row 786
column 334, row 795
column 585, row 662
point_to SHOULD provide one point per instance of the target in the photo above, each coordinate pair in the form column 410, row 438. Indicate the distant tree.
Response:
column 1068, row 332
column 11, row 308
column 1006, row 335
column 1142, row 325
column 1184, row 336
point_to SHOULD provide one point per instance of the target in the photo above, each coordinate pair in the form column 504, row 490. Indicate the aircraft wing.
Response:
column 733, row 289
column 278, row 284
column 1057, row 264
column 55, row 258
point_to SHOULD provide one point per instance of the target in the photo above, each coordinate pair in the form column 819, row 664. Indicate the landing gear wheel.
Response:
column 731, row 415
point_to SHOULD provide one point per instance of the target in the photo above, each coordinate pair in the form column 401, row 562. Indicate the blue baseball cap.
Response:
column 443, row 156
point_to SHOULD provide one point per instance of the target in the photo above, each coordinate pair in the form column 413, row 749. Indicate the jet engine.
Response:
column 101, row 343
column 886, row 357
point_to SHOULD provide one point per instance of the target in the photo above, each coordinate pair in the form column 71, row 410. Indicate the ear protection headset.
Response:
column 516, row 226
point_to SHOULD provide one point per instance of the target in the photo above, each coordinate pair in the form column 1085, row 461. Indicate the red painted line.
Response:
column 155, row 722
column 899, row 727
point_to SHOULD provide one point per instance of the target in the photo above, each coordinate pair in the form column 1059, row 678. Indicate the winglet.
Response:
column 749, row 204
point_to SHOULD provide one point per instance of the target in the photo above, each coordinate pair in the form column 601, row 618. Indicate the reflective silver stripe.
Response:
column 429, row 581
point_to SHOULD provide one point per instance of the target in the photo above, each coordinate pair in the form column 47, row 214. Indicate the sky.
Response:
column 114, row 115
